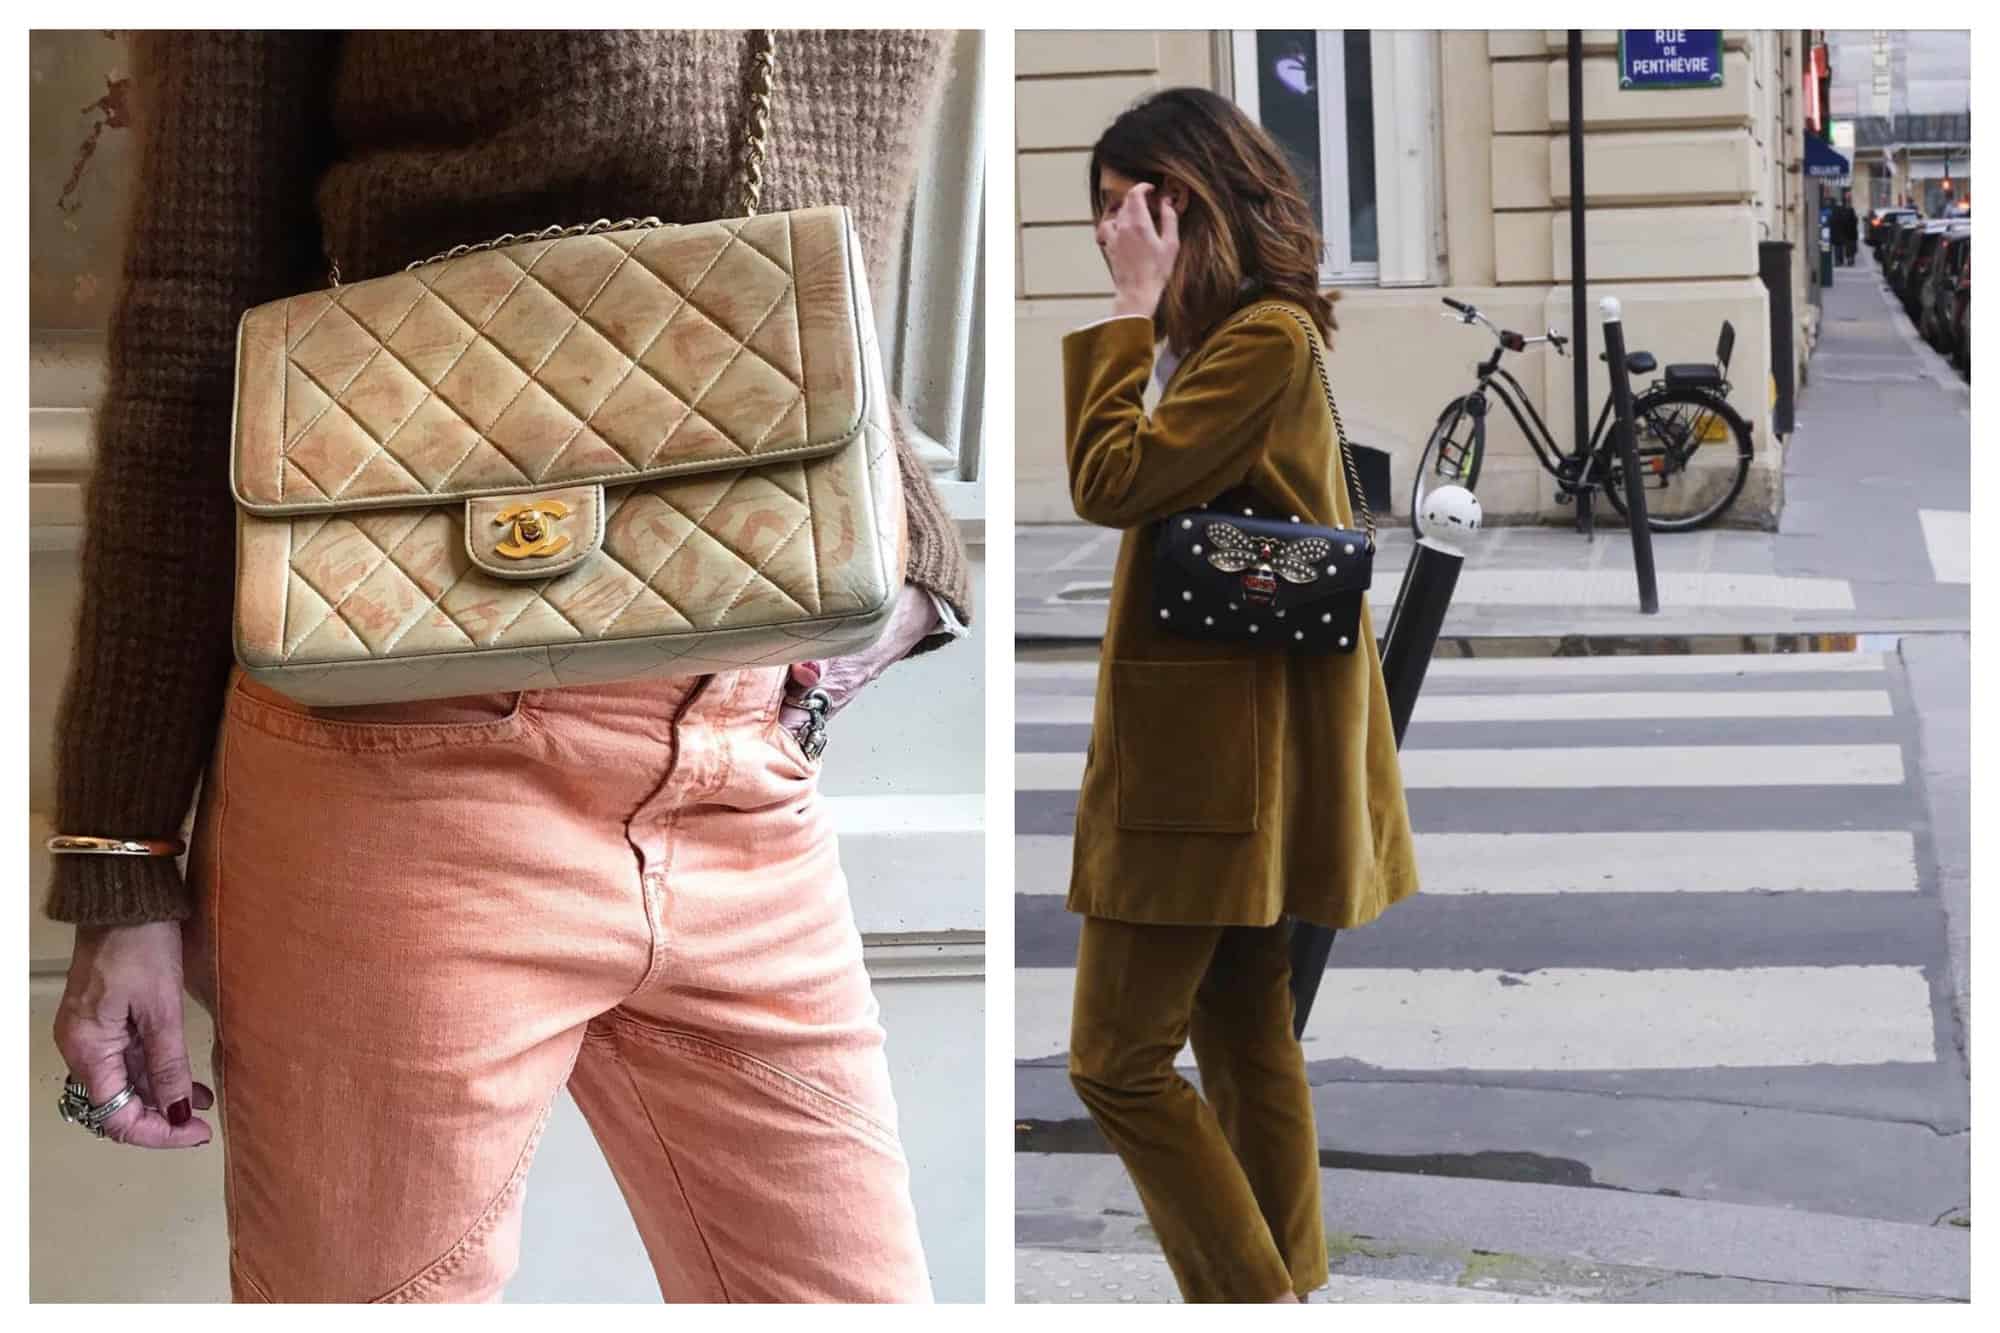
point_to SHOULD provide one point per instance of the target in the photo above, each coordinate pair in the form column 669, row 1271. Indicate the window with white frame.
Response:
column 1314, row 91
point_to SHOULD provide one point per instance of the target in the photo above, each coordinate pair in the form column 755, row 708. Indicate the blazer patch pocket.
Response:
column 1184, row 738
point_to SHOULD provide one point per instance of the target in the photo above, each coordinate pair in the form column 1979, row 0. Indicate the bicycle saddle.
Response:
column 1636, row 363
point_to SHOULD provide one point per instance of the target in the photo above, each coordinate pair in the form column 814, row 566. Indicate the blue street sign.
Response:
column 1670, row 58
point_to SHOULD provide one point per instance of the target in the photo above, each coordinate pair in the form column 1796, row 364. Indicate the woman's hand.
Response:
column 842, row 677
column 120, row 1022
column 1141, row 257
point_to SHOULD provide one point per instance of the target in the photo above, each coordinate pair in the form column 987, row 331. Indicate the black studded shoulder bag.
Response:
column 1237, row 569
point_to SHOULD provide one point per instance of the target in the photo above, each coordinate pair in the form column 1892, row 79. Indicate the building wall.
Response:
column 1068, row 87
column 1681, row 185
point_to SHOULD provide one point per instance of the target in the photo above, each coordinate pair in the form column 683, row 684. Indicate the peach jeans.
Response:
column 417, row 922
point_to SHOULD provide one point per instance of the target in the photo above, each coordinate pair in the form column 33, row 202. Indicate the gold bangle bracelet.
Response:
column 72, row 844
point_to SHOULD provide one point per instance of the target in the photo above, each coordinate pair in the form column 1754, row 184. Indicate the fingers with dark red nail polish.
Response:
column 180, row 1112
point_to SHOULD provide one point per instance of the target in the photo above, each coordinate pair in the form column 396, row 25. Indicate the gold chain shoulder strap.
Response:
column 750, row 175
column 757, row 128
column 1339, row 431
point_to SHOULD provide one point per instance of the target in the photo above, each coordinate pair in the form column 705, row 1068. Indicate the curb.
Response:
column 1093, row 1199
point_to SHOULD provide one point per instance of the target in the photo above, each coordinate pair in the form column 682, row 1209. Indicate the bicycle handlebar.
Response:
column 1507, row 338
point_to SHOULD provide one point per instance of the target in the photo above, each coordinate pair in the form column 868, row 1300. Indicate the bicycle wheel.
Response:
column 1452, row 454
column 1694, row 456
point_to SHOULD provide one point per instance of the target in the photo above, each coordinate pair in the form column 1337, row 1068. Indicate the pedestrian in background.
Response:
column 1846, row 230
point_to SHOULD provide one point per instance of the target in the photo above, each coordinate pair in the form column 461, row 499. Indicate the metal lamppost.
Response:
column 1579, row 322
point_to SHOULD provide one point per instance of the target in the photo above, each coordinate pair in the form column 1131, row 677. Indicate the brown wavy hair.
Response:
column 1248, row 230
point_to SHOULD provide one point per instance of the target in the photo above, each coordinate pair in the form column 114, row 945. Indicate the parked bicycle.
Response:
column 1682, row 425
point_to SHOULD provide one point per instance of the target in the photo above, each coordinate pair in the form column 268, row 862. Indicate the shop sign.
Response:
column 1670, row 58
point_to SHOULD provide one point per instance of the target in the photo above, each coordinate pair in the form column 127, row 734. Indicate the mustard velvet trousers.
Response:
column 1229, row 1176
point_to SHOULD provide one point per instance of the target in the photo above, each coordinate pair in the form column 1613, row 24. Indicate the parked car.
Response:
column 1882, row 225
column 1923, row 254
column 1896, row 248
column 1935, row 287
column 1961, row 313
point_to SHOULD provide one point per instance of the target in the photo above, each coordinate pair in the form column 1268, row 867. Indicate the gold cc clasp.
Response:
column 532, row 533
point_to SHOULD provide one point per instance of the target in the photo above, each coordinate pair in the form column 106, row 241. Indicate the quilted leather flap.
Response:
column 611, row 357
column 1293, row 564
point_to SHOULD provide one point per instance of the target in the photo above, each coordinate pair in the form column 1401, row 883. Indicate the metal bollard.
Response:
column 1451, row 517
column 1628, row 455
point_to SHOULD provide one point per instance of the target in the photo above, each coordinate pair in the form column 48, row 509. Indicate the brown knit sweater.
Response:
column 389, row 146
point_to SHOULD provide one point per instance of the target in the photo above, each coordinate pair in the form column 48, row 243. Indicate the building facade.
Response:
column 1901, row 103
column 1444, row 171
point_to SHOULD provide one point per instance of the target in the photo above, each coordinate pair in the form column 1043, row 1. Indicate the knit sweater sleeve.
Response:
column 935, row 556
column 232, row 140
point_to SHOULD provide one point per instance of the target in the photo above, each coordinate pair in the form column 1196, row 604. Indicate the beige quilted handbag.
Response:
column 595, row 453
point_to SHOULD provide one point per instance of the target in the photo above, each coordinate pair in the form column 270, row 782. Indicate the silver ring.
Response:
column 76, row 1108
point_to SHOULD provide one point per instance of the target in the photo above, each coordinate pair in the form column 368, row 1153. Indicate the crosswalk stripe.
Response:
column 1686, row 664
column 1079, row 670
column 1629, row 705
column 1948, row 542
column 1613, row 587
column 1691, row 861
column 1042, row 864
column 1586, row 767
column 1577, row 1019
column 1691, row 664
column 1579, row 588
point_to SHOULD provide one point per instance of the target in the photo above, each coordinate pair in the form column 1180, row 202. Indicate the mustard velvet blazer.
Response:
column 1225, row 783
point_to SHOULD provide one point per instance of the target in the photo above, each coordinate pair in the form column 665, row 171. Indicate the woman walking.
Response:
column 414, row 923
column 1229, row 783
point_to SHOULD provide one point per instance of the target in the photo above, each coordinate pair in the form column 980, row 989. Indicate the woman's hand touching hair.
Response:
column 1243, row 226
column 1141, row 257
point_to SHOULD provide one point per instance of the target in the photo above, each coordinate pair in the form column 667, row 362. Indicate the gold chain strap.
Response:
column 1339, row 431
column 763, row 65
column 545, row 234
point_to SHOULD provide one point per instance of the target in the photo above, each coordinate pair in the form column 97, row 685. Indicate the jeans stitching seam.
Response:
column 652, row 886
column 218, row 1057
column 680, row 1185
column 799, row 1089
column 236, row 1263
column 455, row 1258
column 373, row 737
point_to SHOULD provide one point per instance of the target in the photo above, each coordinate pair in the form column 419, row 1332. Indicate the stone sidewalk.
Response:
column 1392, row 1237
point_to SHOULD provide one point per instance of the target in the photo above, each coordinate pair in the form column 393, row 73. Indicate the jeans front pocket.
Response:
column 415, row 724
column 1184, row 743
column 779, row 733
column 788, row 741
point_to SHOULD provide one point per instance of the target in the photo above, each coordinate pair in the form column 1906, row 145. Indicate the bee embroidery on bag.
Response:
column 1262, row 561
